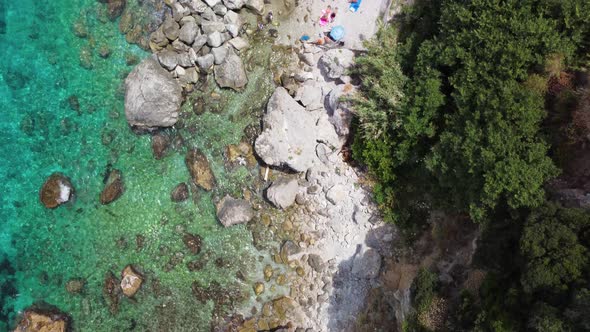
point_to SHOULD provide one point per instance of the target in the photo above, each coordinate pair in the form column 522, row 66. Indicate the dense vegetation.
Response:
column 465, row 106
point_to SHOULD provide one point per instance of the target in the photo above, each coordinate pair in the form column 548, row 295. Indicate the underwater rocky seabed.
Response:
column 62, row 105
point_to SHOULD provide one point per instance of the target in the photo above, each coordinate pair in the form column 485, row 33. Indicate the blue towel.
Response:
column 355, row 6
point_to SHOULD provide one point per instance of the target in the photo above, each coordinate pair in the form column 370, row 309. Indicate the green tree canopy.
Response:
column 551, row 248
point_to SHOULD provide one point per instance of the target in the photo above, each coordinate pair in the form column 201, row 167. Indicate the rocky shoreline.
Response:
column 309, row 200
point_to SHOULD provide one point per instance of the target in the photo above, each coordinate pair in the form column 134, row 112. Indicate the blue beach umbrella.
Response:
column 337, row 32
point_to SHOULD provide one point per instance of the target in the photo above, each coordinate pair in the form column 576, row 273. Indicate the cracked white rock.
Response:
column 152, row 96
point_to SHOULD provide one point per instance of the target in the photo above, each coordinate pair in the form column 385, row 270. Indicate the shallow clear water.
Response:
column 41, row 249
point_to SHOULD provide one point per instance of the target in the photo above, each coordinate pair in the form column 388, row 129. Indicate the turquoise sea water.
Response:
column 42, row 132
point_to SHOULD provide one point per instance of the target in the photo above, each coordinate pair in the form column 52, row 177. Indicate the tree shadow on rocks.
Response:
column 357, row 280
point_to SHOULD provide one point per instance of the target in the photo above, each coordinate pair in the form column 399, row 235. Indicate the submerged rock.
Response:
column 114, row 8
column 114, row 187
column 75, row 286
column 56, row 191
column 291, row 133
column 231, row 73
column 111, row 291
column 282, row 192
column 180, row 193
column 198, row 166
column 160, row 144
column 131, row 280
column 152, row 96
column 192, row 242
column 43, row 319
column 231, row 211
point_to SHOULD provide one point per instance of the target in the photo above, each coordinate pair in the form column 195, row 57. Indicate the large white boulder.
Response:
column 290, row 133
column 152, row 96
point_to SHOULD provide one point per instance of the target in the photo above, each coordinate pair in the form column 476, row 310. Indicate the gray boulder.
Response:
column 158, row 40
column 214, row 39
column 290, row 133
column 152, row 96
column 309, row 94
column 168, row 59
column 231, row 73
column 170, row 28
column 231, row 211
column 282, row 192
column 239, row 43
column 206, row 62
column 185, row 60
column 335, row 62
column 188, row 32
column 210, row 27
column 197, row 6
column 179, row 46
column 338, row 110
column 234, row 4
column 256, row 5
column 209, row 15
column 232, row 17
column 220, row 9
column 200, row 41
column 220, row 53
column 233, row 29
column 367, row 265
column 212, row 3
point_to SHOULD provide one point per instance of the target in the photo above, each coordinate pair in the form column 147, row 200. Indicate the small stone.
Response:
column 300, row 199
column 113, row 188
column 160, row 144
column 268, row 272
column 258, row 288
column 111, row 291
column 199, row 168
column 231, row 211
column 209, row 27
column 300, row 271
column 239, row 43
column 206, row 62
column 168, row 59
column 219, row 53
column 220, row 9
column 313, row 189
column 180, row 193
column 170, row 28
column 232, row 29
column 199, row 42
column 214, row 39
column 188, row 32
column 231, row 73
column 282, row 192
column 288, row 249
column 316, row 262
column 131, row 281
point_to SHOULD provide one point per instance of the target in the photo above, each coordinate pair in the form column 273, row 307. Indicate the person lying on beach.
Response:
column 325, row 18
